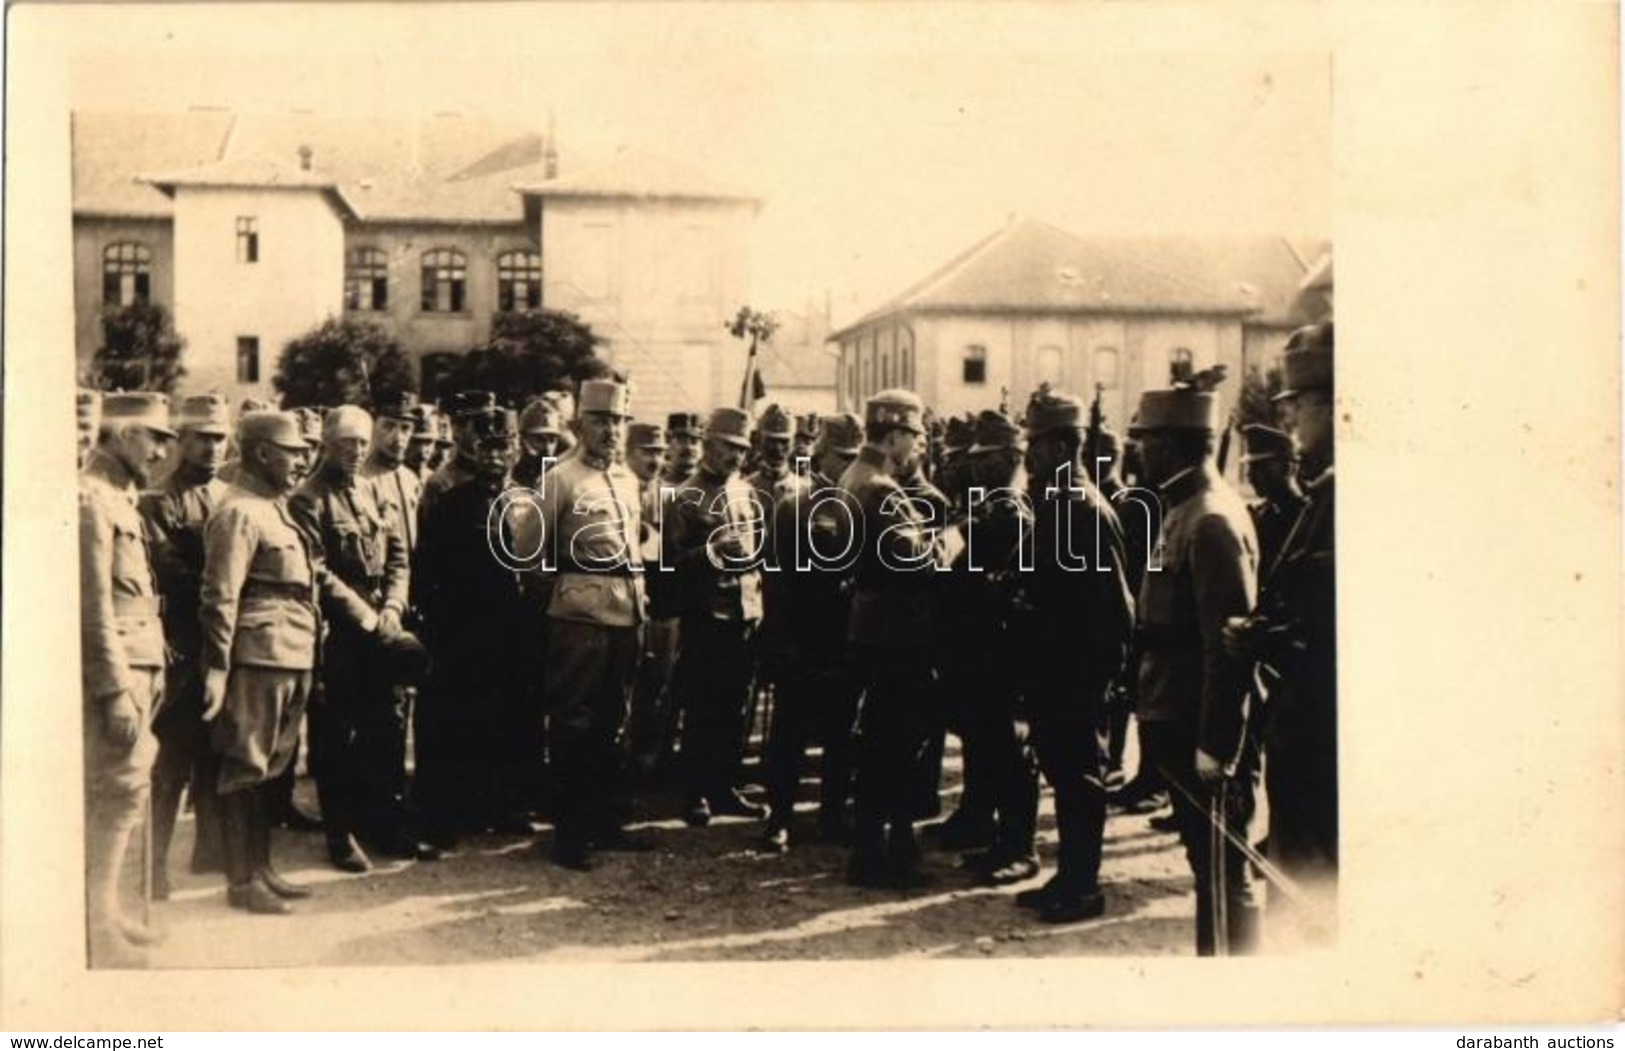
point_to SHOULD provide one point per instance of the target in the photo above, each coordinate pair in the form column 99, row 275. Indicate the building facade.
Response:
column 252, row 229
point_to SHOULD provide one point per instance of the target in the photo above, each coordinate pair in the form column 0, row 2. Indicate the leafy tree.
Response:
column 342, row 362
column 140, row 350
column 1254, row 405
column 529, row 352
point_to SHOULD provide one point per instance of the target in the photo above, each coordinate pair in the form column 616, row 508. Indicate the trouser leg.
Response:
column 837, row 702
column 787, row 737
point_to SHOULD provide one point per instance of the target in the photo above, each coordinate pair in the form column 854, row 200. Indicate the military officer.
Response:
column 1269, row 469
column 461, row 411
column 684, row 430
column 1293, row 637
column 804, row 641
column 175, row 513
column 358, row 721
column 648, row 730
column 420, row 451
column 808, row 426
column 263, row 597
column 88, row 406
column 713, row 541
column 228, row 473
column 1082, row 619
column 474, row 751
column 890, row 629
column 122, row 639
column 541, row 430
column 587, row 520
column 396, row 484
column 775, row 430
column 1193, row 695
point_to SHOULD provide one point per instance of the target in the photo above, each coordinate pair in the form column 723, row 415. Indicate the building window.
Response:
column 885, row 371
column 366, row 279
column 248, row 359
column 974, row 368
column 1181, row 365
column 445, row 278
column 1049, row 365
column 1107, row 367
column 906, row 370
column 519, row 281
column 126, row 274
column 248, row 239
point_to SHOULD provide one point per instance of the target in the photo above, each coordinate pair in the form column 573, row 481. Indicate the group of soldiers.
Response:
column 560, row 613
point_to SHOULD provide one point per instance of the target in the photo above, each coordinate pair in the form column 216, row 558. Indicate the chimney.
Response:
column 305, row 153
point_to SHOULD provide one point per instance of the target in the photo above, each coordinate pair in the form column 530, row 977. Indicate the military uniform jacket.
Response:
column 705, row 507
column 894, row 577
column 119, row 618
column 356, row 535
column 808, row 609
column 263, row 588
column 470, row 603
column 1081, row 609
column 664, row 591
column 1209, row 573
column 980, row 603
column 589, row 516
column 1272, row 521
column 398, row 494
column 1298, row 610
column 175, row 513
column 449, row 475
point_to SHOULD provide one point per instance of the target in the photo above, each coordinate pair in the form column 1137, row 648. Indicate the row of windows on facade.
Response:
column 973, row 367
column 127, row 276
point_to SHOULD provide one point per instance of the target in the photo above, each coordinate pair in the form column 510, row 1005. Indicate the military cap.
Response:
column 686, row 424
column 1307, row 363
column 425, row 425
column 1265, row 443
column 396, row 405
column 563, row 402
column 645, row 436
column 254, row 405
column 1051, row 410
column 310, row 424
column 268, row 425
column 958, row 435
column 465, row 402
column 492, row 422
column 606, row 396
column 842, row 433
column 89, row 407
column 204, row 414
column 807, row 425
column 347, row 421
column 729, row 425
column 150, row 410
column 994, row 430
column 541, row 417
column 1182, row 408
column 897, row 407
column 774, row 422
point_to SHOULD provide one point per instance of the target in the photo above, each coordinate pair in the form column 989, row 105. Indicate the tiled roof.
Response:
column 250, row 171
column 1033, row 266
column 110, row 149
column 634, row 173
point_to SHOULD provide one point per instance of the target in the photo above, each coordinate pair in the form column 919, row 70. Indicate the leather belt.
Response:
column 277, row 589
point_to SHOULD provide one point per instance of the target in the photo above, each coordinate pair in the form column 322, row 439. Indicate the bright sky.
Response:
column 884, row 138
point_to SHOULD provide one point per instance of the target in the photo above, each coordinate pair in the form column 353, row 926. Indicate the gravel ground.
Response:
column 705, row 894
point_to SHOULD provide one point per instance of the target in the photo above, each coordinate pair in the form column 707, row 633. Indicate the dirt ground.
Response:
column 705, row 894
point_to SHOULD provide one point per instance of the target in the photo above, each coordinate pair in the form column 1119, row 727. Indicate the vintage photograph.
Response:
column 804, row 515
column 702, row 499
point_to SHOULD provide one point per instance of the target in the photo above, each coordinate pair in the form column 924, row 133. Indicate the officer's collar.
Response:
column 1187, row 483
column 251, row 481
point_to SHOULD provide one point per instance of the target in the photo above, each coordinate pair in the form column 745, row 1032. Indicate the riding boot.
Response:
column 244, row 889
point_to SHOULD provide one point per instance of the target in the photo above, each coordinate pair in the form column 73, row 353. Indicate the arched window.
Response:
column 1108, row 369
column 126, row 274
column 445, row 279
column 1181, row 364
column 519, row 281
column 974, row 364
column 906, row 370
column 366, row 279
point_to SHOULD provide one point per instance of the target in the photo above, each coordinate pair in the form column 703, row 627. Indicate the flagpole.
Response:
column 745, row 389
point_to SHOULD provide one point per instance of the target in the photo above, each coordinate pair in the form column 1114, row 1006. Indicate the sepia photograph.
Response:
column 760, row 485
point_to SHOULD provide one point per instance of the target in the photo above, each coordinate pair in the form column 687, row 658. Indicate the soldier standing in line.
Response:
column 474, row 763
column 932, row 505
column 262, row 601
column 587, row 522
column 890, row 631
column 396, row 485
column 808, row 427
column 175, row 514
column 804, row 641
column 1193, row 695
column 443, row 444
column 1082, row 619
column 980, row 603
column 461, row 411
column 88, row 406
column 773, row 477
column 420, row 450
column 541, row 432
column 648, row 729
column 122, row 676
column 1270, row 473
column 1293, row 637
column 683, row 431
column 358, row 719
column 713, row 541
